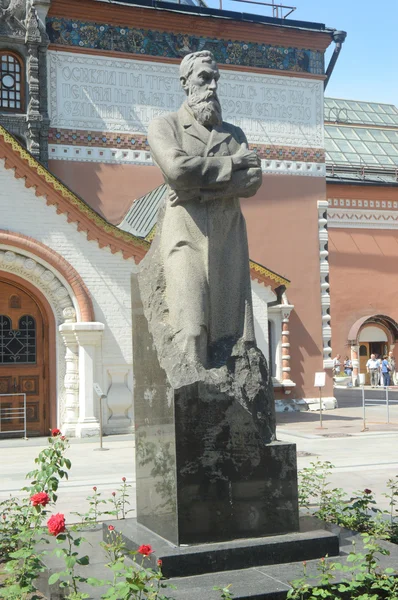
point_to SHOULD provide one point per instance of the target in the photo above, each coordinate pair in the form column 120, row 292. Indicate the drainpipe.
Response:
column 338, row 38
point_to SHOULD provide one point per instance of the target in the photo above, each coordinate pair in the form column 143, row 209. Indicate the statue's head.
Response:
column 199, row 77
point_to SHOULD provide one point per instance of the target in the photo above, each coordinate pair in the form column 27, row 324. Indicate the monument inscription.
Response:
column 125, row 95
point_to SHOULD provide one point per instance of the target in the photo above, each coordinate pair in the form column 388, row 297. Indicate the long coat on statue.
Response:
column 195, row 280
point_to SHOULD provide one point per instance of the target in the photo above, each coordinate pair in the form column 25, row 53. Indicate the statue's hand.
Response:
column 245, row 159
column 250, row 181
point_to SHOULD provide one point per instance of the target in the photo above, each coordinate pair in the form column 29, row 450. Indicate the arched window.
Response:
column 11, row 82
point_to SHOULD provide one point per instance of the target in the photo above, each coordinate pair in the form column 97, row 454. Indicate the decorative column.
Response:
column 355, row 363
column 33, row 39
column 71, row 381
column 87, row 336
column 286, row 380
column 324, row 273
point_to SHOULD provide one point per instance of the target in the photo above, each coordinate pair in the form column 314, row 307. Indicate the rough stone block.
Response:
column 203, row 472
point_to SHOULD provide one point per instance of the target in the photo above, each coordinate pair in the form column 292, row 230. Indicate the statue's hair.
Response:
column 187, row 63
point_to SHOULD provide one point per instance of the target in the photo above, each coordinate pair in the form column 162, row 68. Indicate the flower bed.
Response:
column 27, row 526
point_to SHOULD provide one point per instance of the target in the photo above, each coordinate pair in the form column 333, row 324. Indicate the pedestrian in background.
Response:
column 385, row 371
column 372, row 367
column 393, row 372
column 348, row 368
column 336, row 364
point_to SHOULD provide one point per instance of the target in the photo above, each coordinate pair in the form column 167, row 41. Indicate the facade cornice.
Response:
column 26, row 167
column 178, row 22
column 362, row 219
column 267, row 277
column 81, row 144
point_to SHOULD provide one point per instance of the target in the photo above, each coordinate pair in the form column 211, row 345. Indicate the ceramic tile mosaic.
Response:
column 96, row 139
column 97, row 36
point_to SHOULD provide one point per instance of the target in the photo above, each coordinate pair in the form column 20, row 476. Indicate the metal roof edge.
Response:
column 363, row 101
column 224, row 14
column 361, row 182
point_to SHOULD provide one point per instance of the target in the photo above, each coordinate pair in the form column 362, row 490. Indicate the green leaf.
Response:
column 70, row 561
column 54, row 578
column 84, row 560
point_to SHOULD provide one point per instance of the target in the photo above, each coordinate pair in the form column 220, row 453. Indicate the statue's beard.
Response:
column 205, row 106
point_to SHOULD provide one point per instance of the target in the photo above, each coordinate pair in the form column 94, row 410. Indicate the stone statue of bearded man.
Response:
column 195, row 280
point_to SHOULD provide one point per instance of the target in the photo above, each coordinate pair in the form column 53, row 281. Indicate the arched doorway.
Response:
column 24, row 360
column 374, row 334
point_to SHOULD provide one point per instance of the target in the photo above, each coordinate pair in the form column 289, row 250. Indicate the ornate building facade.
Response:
column 362, row 216
column 80, row 83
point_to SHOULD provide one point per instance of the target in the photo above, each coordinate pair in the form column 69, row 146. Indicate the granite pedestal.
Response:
column 203, row 472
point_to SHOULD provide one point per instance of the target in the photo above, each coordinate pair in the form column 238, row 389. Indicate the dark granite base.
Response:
column 204, row 473
column 309, row 543
column 261, row 582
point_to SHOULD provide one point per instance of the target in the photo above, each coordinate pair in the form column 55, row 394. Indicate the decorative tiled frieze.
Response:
column 363, row 219
column 293, row 168
column 125, row 141
column 324, row 276
column 85, row 34
column 105, row 155
column 119, row 95
column 362, row 204
column 143, row 157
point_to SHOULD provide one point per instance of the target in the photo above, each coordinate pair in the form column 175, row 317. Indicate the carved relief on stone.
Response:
column 12, row 17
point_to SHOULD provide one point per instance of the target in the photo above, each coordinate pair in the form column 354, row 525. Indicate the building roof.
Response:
column 141, row 219
column 45, row 184
column 363, row 113
column 361, row 141
column 200, row 8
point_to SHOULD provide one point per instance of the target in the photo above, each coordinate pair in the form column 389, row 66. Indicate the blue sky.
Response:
column 367, row 68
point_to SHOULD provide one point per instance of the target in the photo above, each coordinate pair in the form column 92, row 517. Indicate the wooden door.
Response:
column 23, row 364
column 364, row 355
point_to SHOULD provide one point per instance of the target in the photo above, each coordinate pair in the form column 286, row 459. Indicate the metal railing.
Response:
column 10, row 414
column 361, row 169
column 368, row 402
column 278, row 10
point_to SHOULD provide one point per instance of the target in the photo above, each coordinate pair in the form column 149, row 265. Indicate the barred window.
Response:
column 11, row 82
column 18, row 346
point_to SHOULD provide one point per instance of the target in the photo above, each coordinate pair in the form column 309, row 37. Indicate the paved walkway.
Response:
column 89, row 468
column 363, row 459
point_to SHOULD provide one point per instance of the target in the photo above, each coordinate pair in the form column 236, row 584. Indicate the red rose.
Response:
column 367, row 491
column 145, row 550
column 113, row 494
column 55, row 432
column 111, row 528
column 63, row 437
column 159, row 562
column 95, row 488
column 123, row 479
column 56, row 524
column 40, row 499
